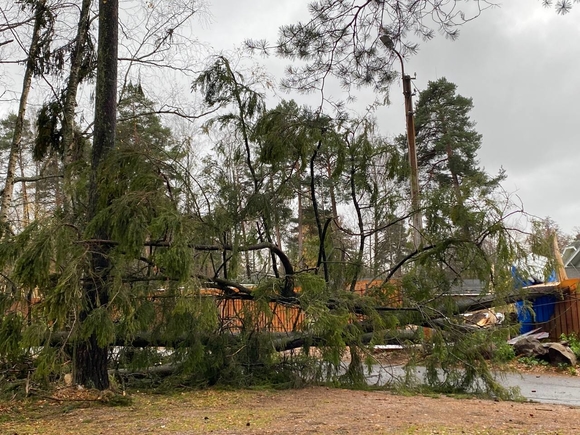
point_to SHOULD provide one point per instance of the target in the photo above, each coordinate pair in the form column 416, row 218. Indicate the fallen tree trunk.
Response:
column 432, row 317
column 161, row 371
column 280, row 341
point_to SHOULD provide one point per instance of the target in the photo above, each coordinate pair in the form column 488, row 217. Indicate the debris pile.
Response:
column 484, row 318
column 529, row 345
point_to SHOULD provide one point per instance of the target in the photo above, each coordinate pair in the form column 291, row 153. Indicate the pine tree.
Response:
column 447, row 142
column 449, row 172
column 139, row 126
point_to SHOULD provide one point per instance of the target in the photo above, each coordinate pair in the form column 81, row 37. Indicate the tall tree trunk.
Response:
column 454, row 177
column 457, row 189
column 70, row 99
column 90, row 360
column 321, row 234
column 8, row 191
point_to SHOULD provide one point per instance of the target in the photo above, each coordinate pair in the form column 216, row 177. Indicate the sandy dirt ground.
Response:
column 317, row 410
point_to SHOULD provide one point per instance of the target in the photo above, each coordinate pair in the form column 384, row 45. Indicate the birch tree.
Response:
column 41, row 22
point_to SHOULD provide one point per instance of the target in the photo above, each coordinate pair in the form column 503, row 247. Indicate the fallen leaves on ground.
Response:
column 317, row 410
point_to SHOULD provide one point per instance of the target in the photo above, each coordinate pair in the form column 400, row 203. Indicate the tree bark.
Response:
column 361, row 228
column 90, row 361
column 300, row 248
column 25, row 203
column 70, row 99
column 321, row 248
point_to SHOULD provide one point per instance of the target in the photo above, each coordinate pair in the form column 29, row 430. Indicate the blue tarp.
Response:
column 532, row 314
column 520, row 281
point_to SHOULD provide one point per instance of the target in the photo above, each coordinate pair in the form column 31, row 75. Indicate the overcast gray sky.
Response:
column 519, row 62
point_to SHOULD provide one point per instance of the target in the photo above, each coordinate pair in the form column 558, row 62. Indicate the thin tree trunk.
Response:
column 36, row 188
column 246, row 254
column 300, row 225
column 8, row 191
column 225, row 255
column 25, row 204
column 58, row 194
column 375, row 245
column 248, row 269
column 256, row 182
column 90, row 359
column 333, row 204
column 70, row 99
column 277, row 229
column 321, row 233
column 361, row 228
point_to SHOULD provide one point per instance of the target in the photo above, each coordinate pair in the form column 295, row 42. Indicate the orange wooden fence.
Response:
column 566, row 318
column 236, row 314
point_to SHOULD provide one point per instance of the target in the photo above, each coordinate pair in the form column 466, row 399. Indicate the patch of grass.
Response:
column 118, row 400
column 209, row 410
column 503, row 353
column 573, row 341
column 423, row 430
column 530, row 361
column 255, row 412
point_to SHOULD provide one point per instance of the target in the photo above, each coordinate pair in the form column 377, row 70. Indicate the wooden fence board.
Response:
column 236, row 314
column 566, row 318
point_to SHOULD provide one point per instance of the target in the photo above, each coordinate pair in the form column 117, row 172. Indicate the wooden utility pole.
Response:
column 410, row 118
column 410, row 121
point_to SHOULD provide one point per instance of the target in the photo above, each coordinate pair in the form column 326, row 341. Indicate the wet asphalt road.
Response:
column 542, row 388
column 563, row 390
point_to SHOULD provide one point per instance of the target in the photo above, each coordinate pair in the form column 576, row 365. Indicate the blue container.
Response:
column 541, row 311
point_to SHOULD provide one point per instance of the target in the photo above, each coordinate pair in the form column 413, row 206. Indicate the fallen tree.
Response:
column 283, row 341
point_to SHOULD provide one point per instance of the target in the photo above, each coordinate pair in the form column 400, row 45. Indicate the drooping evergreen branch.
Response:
column 288, row 289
